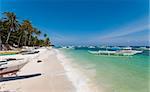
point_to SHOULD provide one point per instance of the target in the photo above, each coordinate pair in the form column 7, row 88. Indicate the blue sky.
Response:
column 86, row 22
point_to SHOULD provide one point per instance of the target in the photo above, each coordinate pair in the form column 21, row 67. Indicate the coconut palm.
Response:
column 35, row 40
column 38, row 33
column 31, row 31
column 11, row 22
column 2, row 33
column 1, row 27
column 22, row 34
column 26, row 27
column 47, row 41
column 45, row 35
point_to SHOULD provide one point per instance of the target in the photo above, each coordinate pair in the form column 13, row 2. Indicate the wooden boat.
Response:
column 11, row 66
column 117, row 53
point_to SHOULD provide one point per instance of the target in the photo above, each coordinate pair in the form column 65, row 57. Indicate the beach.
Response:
column 74, row 46
column 53, row 77
column 70, row 70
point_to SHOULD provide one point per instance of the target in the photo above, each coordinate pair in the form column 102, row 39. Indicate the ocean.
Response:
column 95, row 73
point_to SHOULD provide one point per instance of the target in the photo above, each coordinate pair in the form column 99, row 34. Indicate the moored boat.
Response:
column 123, row 52
column 102, row 52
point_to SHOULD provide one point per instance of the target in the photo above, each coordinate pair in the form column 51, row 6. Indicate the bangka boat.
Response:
column 28, row 52
column 11, row 66
column 70, row 47
column 103, row 52
column 91, row 47
column 144, row 48
column 124, row 52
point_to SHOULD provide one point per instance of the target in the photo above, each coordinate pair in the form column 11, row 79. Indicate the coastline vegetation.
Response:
column 16, row 33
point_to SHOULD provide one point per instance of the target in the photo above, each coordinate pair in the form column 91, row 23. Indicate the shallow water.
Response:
column 113, row 73
column 6, row 54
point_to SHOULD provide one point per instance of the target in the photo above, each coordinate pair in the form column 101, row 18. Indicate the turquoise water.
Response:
column 114, row 73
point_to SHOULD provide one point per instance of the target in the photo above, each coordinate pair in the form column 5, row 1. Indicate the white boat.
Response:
column 115, row 48
column 144, row 48
column 128, row 52
column 70, row 47
column 64, row 47
column 91, row 47
column 117, row 53
column 12, row 66
column 127, row 48
column 102, row 52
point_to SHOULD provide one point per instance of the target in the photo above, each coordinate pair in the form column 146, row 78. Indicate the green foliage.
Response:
column 13, row 32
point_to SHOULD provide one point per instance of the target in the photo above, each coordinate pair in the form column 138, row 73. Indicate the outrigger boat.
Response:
column 123, row 52
column 11, row 66
column 26, row 52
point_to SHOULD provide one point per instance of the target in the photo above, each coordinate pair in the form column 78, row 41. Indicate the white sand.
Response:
column 53, row 78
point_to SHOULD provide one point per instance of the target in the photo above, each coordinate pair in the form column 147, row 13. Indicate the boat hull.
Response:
column 11, row 66
column 116, row 53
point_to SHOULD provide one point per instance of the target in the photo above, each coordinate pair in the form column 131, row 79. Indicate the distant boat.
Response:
column 124, row 52
column 102, row 52
column 11, row 66
column 68, row 47
column 127, row 48
column 64, row 47
column 128, row 52
column 71, row 47
column 144, row 48
column 91, row 47
column 115, row 48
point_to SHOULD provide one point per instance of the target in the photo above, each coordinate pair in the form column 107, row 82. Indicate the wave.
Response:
column 78, row 79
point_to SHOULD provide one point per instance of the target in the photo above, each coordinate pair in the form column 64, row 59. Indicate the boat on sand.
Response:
column 11, row 66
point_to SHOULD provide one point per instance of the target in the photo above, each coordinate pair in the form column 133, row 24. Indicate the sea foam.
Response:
column 79, row 80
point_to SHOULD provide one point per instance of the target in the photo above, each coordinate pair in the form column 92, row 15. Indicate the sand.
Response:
column 53, row 78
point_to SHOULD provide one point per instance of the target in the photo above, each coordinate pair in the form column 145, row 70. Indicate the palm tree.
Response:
column 1, row 27
column 31, row 31
column 2, row 32
column 47, row 41
column 11, row 23
column 45, row 35
column 21, row 33
column 26, row 27
column 35, row 39
column 37, row 33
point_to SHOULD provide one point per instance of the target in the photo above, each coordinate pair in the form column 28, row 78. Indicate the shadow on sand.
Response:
column 3, row 79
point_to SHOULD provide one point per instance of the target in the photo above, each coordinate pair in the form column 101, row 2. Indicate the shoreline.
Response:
column 53, row 75
column 57, row 74
column 80, row 80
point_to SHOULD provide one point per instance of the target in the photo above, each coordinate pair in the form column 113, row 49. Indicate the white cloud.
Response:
column 133, row 27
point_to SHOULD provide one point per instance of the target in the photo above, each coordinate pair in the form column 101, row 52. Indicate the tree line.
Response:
column 16, row 33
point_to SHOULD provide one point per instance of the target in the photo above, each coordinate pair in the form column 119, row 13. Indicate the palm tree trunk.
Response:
column 29, row 43
column 8, row 37
column 0, row 43
column 25, row 42
column 19, row 40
